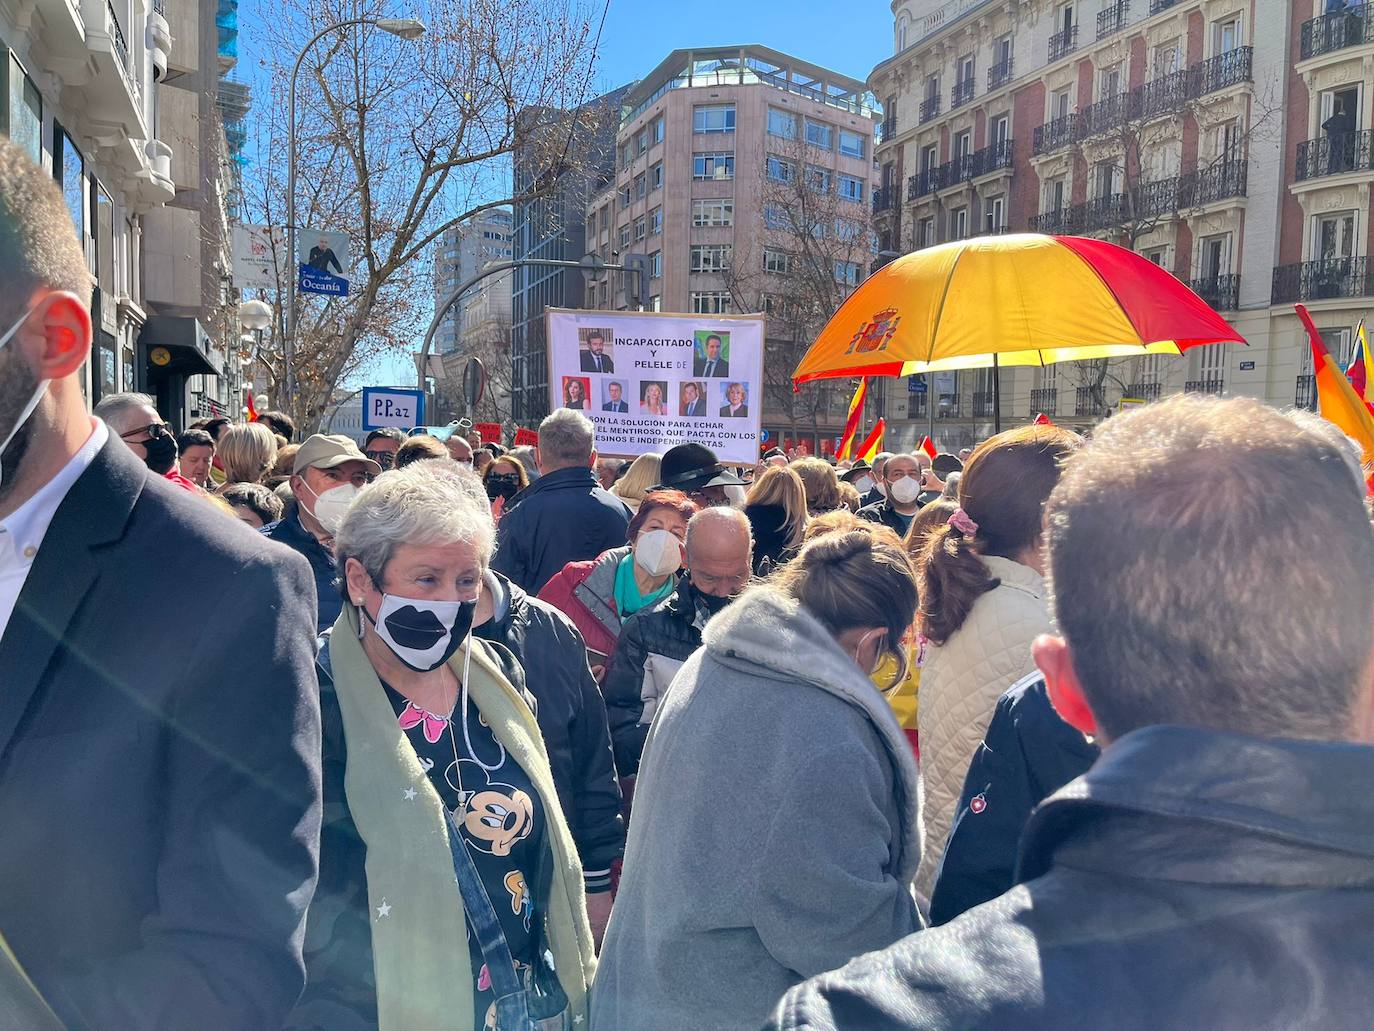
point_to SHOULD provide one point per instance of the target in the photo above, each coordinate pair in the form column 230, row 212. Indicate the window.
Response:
column 716, row 118
column 925, row 233
column 25, row 110
column 624, row 236
column 1056, row 191
column 625, row 196
column 711, row 257
column 1226, row 140
column 1215, row 255
column 1060, row 103
column 641, row 186
column 958, row 223
column 777, row 261
column 656, row 177
column 642, row 140
column 848, row 231
column 933, row 87
column 963, row 144
column 774, row 307
column 851, row 144
column 1226, row 35
column 930, row 157
column 780, row 169
column 820, row 135
column 657, row 128
column 847, row 272
column 774, row 217
column 641, row 228
column 713, row 213
column 710, row 302
column 1333, row 236
column 994, row 214
column 817, row 179
column 655, row 221
column 656, row 265
column 102, row 217
column 605, row 218
column 1001, row 130
column 851, row 188
column 70, row 173
column 1157, row 255
column 1108, row 82
column 1166, row 58
column 782, row 123
column 1064, row 17
column 713, row 166
column 626, row 156
column 1001, row 51
column 591, row 227
column 655, row 303
column 1104, row 178
column 965, row 68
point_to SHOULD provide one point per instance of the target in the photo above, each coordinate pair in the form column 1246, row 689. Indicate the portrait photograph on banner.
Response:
column 649, row 380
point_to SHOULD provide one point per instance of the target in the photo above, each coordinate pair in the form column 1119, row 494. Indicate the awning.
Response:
column 177, row 345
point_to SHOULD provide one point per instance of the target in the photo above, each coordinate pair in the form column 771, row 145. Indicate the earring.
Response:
column 362, row 620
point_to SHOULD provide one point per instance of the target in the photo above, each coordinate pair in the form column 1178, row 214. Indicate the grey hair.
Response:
column 566, row 439
column 719, row 520
column 526, row 454
column 880, row 458
column 426, row 503
column 951, row 490
column 111, row 408
column 1345, row 445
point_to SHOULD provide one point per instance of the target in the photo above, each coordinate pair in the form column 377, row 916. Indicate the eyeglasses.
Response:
column 153, row 429
column 382, row 458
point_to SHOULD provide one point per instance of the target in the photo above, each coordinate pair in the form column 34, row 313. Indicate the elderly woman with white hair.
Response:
column 450, row 891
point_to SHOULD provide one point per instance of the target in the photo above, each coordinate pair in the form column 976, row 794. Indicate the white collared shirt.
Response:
column 23, row 530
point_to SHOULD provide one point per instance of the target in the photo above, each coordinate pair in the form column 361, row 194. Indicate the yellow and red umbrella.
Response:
column 1019, row 299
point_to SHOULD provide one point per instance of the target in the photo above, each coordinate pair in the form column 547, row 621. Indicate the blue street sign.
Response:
column 313, row 281
column 392, row 406
column 916, row 384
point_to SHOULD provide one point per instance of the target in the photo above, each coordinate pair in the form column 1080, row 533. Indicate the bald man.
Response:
column 655, row 642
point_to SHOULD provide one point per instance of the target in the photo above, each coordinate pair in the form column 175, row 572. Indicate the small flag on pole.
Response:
column 1336, row 397
column 851, row 422
column 1041, row 419
column 1358, row 369
column 869, row 449
column 928, row 446
column 252, row 411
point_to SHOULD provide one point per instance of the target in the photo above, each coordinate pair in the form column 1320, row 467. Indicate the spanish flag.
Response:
column 851, row 422
column 869, row 449
column 928, row 446
column 1358, row 369
column 1336, row 397
column 252, row 411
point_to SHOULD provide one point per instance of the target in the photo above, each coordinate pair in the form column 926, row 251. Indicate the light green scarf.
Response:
column 419, row 934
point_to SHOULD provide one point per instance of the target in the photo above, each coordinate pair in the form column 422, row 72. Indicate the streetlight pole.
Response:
column 405, row 28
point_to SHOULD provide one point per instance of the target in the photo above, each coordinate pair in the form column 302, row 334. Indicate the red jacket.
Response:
column 585, row 593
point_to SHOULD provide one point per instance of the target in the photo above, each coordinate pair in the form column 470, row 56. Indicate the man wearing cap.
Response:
column 693, row 469
column 327, row 473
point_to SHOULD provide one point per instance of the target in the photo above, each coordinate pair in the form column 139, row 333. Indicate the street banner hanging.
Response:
column 648, row 381
column 256, row 252
column 322, row 261
column 393, row 406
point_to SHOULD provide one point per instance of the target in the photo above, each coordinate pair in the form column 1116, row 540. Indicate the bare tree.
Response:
column 400, row 140
column 815, row 248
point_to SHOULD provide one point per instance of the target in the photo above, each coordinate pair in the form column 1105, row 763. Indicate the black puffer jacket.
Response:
column 653, row 644
column 572, row 718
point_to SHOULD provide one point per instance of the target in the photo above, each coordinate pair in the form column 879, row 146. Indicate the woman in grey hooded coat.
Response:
column 775, row 833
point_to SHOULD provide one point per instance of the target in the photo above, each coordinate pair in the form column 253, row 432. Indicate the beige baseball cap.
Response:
column 325, row 451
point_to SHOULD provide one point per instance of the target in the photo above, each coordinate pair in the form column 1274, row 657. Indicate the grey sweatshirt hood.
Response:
column 766, row 633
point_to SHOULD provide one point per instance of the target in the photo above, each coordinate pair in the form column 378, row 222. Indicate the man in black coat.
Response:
column 565, row 515
column 901, row 481
column 572, row 717
column 1215, row 867
column 159, row 718
column 712, row 365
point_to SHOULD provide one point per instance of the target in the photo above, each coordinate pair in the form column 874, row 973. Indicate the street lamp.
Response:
column 256, row 316
column 404, row 28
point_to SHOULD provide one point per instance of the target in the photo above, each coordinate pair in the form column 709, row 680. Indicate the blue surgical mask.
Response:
column 32, row 403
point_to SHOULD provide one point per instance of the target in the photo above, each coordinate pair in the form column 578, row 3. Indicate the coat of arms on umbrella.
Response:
column 874, row 334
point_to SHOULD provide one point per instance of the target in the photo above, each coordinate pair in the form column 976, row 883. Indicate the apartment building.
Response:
column 78, row 83
column 1190, row 131
column 721, row 153
column 459, row 254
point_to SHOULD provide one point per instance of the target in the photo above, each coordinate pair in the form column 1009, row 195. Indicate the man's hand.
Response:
column 599, row 914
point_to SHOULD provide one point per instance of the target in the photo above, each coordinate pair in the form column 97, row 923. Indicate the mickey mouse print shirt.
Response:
column 500, row 820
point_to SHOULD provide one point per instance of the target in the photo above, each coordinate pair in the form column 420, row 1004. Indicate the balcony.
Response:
column 1147, row 390
column 1335, row 154
column 999, row 74
column 1305, row 394
column 1163, row 95
column 1322, row 280
column 889, row 129
column 1213, row 183
column 1105, row 212
column 1063, row 43
column 885, row 198
column 961, row 94
column 992, row 158
column 1107, row 115
column 1088, row 403
column 113, row 97
column 1044, row 400
column 982, row 404
column 1112, row 19
column 953, row 172
column 1222, row 292
column 1330, row 32
column 1054, row 134
column 1157, row 198
column 930, row 107
column 1204, row 386
column 948, row 407
column 1224, row 70
column 1057, row 221
column 1160, row 6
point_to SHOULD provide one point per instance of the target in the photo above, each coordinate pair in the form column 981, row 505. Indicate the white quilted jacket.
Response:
column 961, row 681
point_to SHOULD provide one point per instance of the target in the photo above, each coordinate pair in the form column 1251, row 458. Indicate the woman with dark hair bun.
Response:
column 983, row 602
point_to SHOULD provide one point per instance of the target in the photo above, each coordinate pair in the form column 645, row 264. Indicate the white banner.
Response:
column 648, row 380
column 257, row 249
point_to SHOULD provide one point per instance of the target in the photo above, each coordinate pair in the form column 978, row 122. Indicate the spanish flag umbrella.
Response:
column 1017, row 299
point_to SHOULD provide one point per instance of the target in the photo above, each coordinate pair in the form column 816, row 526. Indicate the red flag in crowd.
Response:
column 1041, row 419
column 252, row 411
column 928, row 446
column 874, row 442
column 851, row 422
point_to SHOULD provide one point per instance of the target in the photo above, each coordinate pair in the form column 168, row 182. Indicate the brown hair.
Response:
column 840, row 519
column 779, row 485
column 929, row 519
column 674, row 499
column 1003, row 490
column 859, row 576
column 419, row 448
column 821, row 483
column 496, row 460
column 849, row 496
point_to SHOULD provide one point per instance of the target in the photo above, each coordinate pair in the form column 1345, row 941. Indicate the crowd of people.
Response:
column 435, row 733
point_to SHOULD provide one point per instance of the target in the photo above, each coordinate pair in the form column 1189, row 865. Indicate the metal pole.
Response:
column 996, row 395
column 289, row 345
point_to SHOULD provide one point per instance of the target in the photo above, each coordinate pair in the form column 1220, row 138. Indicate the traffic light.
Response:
column 636, row 279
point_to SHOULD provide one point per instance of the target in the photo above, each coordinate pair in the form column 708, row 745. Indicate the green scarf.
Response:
column 419, row 944
column 628, row 600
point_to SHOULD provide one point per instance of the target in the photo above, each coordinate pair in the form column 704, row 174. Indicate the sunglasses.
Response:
column 382, row 458
column 153, row 429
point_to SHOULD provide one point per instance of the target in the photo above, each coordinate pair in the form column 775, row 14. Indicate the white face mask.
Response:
column 863, row 484
column 735, row 494
column 32, row 402
column 881, row 487
column 658, row 553
column 423, row 634
column 332, row 504
column 905, row 490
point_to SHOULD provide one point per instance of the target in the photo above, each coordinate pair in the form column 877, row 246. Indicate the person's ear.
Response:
column 592, row 463
column 64, row 324
column 359, row 583
column 1052, row 656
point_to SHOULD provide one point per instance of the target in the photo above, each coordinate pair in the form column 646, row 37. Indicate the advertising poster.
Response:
column 649, row 381
column 257, row 250
column 322, row 259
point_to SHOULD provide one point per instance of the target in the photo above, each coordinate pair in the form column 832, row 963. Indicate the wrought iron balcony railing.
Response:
column 121, row 48
column 961, row 93
column 884, row 198
column 1063, row 43
column 1325, row 278
column 1156, row 198
column 1224, row 70
column 926, row 181
column 1105, row 212
column 930, row 107
column 1054, row 134
column 1162, row 95
column 889, row 126
column 1044, row 400
column 1112, row 19
column 982, row 404
column 1145, row 390
column 1204, row 386
column 948, row 407
column 1106, row 115
column 1336, row 31
column 1213, row 183
column 1087, row 402
column 1056, row 221
column 1305, row 394
column 992, row 158
column 1332, row 154
column 1222, row 292
column 999, row 74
